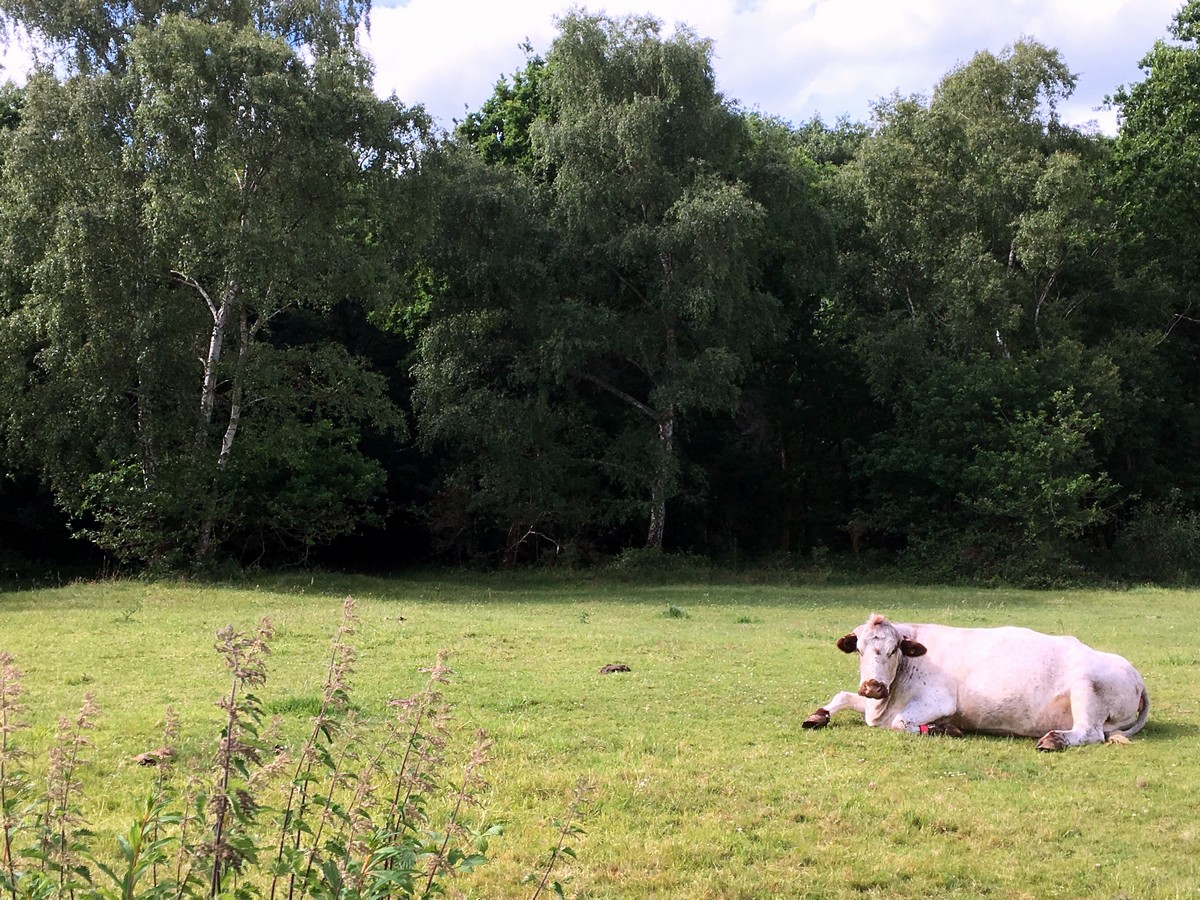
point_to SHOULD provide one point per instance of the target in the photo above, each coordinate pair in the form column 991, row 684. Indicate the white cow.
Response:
column 943, row 680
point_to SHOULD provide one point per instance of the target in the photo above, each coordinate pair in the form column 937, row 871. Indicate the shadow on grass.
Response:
column 1157, row 730
column 859, row 597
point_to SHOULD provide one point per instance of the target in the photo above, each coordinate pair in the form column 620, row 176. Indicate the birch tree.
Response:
column 658, row 235
column 981, row 306
column 222, row 171
column 607, row 278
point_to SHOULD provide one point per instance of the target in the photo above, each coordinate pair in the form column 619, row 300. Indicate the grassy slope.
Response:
column 705, row 785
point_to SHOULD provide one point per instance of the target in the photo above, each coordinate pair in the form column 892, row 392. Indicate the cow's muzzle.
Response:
column 873, row 690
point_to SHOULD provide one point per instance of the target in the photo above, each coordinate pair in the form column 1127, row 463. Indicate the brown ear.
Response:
column 848, row 643
column 911, row 648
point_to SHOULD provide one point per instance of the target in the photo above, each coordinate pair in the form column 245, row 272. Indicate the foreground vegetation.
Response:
column 697, row 779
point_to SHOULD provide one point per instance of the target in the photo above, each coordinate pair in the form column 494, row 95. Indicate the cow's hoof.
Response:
column 947, row 730
column 1052, row 742
column 819, row 719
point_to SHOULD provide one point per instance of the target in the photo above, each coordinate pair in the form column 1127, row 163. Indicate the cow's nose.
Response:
column 873, row 690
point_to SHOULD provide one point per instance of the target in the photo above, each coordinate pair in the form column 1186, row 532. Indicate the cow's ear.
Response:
column 911, row 648
column 848, row 643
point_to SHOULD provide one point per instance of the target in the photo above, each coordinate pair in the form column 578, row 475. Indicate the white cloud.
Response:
column 786, row 58
column 16, row 58
column 449, row 55
column 794, row 60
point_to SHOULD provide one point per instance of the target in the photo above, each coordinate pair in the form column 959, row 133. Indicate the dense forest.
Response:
column 254, row 314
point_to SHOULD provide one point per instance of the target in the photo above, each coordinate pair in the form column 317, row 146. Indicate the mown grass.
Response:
column 704, row 784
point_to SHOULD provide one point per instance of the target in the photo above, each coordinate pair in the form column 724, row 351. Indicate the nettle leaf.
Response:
column 474, row 861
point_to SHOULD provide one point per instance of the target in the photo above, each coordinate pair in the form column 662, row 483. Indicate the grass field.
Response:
column 704, row 783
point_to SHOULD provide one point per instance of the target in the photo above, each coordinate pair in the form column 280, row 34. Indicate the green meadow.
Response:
column 700, row 781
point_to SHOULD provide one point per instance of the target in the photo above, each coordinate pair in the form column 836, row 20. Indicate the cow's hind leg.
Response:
column 841, row 700
column 1087, row 720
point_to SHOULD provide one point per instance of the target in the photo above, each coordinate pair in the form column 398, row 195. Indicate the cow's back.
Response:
column 1011, row 680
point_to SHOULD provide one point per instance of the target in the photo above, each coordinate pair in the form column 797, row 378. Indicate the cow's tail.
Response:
column 1143, row 715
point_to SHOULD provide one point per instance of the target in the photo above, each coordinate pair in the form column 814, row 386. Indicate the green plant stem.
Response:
column 563, row 831
column 285, row 826
column 223, row 803
column 554, row 854
column 326, row 813
column 304, row 767
column 5, row 824
column 450, row 824
column 372, row 767
column 130, row 880
column 394, row 814
column 63, row 804
column 297, row 801
column 183, row 855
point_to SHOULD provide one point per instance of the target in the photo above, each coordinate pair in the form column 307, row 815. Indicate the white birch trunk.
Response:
column 245, row 338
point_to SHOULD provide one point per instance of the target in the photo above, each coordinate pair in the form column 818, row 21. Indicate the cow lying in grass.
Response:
column 1011, row 681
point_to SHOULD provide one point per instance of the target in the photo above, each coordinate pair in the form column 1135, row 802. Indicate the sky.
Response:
column 788, row 58
column 794, row 59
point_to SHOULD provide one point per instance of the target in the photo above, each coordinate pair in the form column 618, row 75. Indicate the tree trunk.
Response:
column 245, row 338
column 147, row 455
column 662, row 479
column 216, row 341
column 205, row 543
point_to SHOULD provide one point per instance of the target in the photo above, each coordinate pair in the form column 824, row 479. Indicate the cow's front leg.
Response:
column 924, row 717
column 841, row 700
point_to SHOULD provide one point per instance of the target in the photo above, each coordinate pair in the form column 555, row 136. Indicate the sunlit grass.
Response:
column 704, row 784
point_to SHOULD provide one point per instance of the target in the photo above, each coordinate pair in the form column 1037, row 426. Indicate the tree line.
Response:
column 254, row 313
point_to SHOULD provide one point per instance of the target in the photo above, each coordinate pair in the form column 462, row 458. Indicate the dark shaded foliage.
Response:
column 964, row 336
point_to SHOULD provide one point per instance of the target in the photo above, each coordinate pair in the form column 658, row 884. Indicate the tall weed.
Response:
column 352, row 815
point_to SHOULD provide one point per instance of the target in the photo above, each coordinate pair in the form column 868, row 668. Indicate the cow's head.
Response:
column 880, row 647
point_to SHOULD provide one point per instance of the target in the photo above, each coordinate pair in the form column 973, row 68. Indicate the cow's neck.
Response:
column 879, row 710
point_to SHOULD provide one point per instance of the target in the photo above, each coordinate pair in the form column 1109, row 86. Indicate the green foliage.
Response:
column 516, row 482
column 1155, row 157
column 985, row 476
column 1158, row 148
column 12, row 98
column 500, row 129
column 648, row 564
column 141, row 853
column 966, row 332
column 1161, row 542
column 833, row 145
column 352, row 824
column 93, row 36
column 221, row 171
column 1040, row 482
column 775, row 471
column 981, row 207
column 618, row 293
column 984, row 331
column 298, row 481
